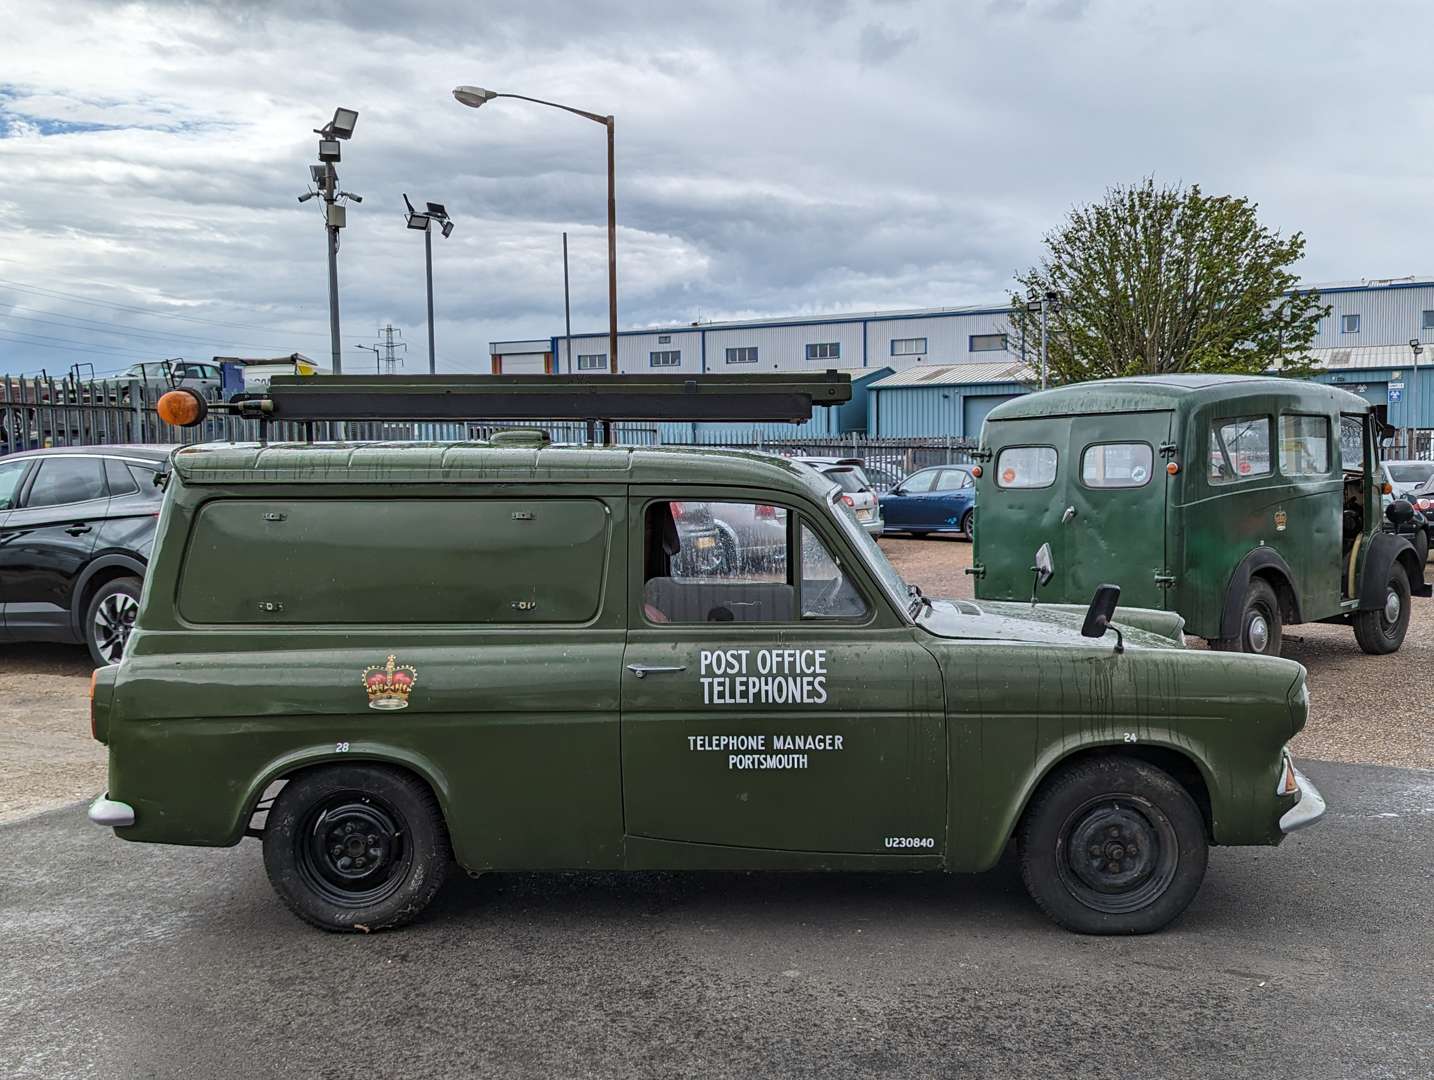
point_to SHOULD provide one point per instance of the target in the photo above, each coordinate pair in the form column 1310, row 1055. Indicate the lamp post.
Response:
column 1416, row 349
column 373, row 349
column 326, row 178
column 436, row 214
column 475, row 96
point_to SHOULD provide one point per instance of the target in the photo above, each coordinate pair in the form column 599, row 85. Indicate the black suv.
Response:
column 76, row 528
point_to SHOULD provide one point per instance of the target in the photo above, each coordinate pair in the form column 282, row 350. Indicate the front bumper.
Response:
column 1308, row 810
column 111, row 814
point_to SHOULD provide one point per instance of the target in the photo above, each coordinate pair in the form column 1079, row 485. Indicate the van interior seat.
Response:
column 724, row 601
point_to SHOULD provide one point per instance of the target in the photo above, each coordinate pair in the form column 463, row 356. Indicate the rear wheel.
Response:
column 1112, row 846
column 356, row 847
column 968, row 524
column 1261, row 629
column 1382, row 630
column 109, row 619
column 1420, row 541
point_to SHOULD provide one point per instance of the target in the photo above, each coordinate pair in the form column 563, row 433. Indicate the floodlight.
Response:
column 307, row 196
column 447, row 229
column 418, row 221
column 350, row 195
column 328, row 150
column 473, row 96
column 436, row 209
column 342, row 125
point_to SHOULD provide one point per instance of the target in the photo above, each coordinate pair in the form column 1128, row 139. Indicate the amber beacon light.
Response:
column 182, row 407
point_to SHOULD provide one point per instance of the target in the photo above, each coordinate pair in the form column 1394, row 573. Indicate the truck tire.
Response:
column 1261, row 629
column 109, row 618
column 1382, row 631
column 356, row 847
column 1112, row 845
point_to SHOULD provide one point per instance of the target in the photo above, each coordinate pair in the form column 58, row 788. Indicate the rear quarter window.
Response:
column 1026, row 467
column 1116, row 465
column 395, row 561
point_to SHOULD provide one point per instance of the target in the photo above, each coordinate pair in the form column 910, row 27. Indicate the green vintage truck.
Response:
column 382, row 659
column 1243, row 503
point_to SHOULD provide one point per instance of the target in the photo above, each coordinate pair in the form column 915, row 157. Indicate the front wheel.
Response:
column 109, row 619
column 356, row 847
column 1112, row 846
column 1382, row 630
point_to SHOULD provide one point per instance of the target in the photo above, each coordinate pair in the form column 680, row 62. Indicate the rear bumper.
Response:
column 112, row 814
column 1308, row 810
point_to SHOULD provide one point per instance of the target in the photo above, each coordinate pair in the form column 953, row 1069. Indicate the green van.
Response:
column 1243, row 503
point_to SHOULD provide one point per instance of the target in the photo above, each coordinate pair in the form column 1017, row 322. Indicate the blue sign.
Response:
column 1396, row 393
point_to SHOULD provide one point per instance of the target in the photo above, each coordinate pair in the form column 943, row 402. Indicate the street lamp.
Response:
column 476, row 96
column 436, row 214
column 326, row 178
column 373, row 349
column 1416, row 349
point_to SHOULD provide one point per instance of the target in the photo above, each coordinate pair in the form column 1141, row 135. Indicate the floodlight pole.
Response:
column 1045, row 363
column 428, row 259
column 333, row 232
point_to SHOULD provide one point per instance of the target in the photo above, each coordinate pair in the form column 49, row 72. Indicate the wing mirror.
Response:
column 1399, row 512
column 1044, row 570
column 1101, row 611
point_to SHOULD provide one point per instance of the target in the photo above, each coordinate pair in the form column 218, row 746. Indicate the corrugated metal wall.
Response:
column 1388, row 315
column 907, row 411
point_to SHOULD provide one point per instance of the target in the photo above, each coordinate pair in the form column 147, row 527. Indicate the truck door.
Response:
column 768, row 702
column 1114, row 515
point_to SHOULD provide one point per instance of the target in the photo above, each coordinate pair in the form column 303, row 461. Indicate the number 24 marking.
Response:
column 1130, row 736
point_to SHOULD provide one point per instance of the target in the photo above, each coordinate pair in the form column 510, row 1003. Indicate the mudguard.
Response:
column 1385, row 549
column 1262, row 558
column 104, row 562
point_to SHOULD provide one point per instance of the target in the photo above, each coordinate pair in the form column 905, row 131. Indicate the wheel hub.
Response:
column 114, row 620
column 1392, row 607
column 1113, row 849
column 352, row 850
column 1259, row 633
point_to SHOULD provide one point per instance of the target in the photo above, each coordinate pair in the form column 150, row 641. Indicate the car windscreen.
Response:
column 895, row 585
column 1410, row 474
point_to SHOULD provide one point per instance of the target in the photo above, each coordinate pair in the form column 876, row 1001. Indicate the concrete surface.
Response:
column 1311, row 960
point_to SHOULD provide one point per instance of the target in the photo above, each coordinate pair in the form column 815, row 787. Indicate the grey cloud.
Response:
column 879, row 43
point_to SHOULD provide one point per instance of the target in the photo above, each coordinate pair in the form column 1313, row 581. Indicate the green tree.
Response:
column 1160, row 280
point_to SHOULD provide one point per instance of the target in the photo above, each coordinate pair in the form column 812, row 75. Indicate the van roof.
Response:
column 1156, row 393
column 468, row 462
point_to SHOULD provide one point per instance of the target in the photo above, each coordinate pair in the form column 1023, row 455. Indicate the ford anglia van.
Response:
column 381, row 660
column 1244, row 504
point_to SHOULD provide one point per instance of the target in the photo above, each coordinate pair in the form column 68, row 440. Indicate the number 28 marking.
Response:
column 341, row 748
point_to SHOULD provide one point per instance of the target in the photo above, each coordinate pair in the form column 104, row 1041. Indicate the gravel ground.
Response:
column 1360, row 708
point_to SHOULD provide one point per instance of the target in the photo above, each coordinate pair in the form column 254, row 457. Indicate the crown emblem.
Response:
column 388, row 684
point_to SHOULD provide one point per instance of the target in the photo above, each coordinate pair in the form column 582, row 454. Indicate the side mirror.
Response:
column 1101, row 611
column 1400, row 512
column 897, row 490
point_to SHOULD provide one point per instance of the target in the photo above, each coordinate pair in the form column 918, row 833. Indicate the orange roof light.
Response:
column 181, row 408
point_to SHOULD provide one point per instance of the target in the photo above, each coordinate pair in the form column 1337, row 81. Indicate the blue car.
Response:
column 939, row 499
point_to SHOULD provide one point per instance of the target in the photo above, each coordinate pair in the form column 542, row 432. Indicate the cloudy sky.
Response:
column 774, row 157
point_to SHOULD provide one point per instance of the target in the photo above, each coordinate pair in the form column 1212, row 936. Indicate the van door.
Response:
column 767, row 702
column 1019, row 506
column 1114, row 516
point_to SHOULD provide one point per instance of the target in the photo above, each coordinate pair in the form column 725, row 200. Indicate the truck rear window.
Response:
column 1116, row 465
column 395, row 561
column 1026, row 467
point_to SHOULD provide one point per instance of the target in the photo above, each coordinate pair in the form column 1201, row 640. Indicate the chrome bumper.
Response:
column 1308, row 810
column 115, row 815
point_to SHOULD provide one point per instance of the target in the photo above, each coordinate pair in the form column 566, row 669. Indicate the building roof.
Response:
column 1368, row 356
column 1159, row 393
column 516, row 348
column 956, row 375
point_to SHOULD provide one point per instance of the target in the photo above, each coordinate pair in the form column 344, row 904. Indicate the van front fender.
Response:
column 1384, row 550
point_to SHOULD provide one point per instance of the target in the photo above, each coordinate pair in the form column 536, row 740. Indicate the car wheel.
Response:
column 968, row 524
column 109, row 618
column 1382, row 631
column 1261, row 629
column 356, row 847
column 1112, row 846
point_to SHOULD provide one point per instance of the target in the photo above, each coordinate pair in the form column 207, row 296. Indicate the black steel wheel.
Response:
column 1382, row 630
column 109, row 619
column 356, row 847
column 1113, row 846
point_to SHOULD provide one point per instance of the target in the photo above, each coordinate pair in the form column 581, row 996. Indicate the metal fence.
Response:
column 886, row 461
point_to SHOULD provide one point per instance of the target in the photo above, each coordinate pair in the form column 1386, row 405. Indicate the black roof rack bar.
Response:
column 772, row 397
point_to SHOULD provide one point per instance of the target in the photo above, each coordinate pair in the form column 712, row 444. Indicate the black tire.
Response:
column 109, row 618
column 968, row 525
column 356, row 847
column 918, row 534
column 1376, row 633
column 1114, row 804
column 1260, row 623
column 1421, row 546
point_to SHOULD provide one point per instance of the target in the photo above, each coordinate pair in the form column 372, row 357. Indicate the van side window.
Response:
column 1304, row 445
column 716, row 562
column 1116, row 465
column 1351, row 443
column 1239, row 448
column 1026, row 467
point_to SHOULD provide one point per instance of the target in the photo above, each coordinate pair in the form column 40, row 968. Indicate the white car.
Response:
column 856, row 490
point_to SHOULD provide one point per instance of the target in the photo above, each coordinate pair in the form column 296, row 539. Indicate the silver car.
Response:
column 856, row 491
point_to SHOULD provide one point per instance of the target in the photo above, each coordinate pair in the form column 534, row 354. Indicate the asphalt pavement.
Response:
column 1311, row 960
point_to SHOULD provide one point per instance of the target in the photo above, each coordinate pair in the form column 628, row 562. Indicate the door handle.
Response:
column 77, row 530
column 643, row 670
column 1068, row 516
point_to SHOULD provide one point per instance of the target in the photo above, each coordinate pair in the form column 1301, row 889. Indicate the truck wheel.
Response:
column 356, row 847
column 1421, row 546
column 1112, row 846
column 1382, row 631
column 968, row 525
column 109, row 618
column 1261, row 630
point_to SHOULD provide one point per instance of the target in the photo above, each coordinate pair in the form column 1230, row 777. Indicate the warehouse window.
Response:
column 666, row 358
column 908, row 346
column 1428, row 321
column 1349, row 324
column 664, row 339
column 988, row 342
column 592, row 361
column 746, row 354
column 824, row 350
